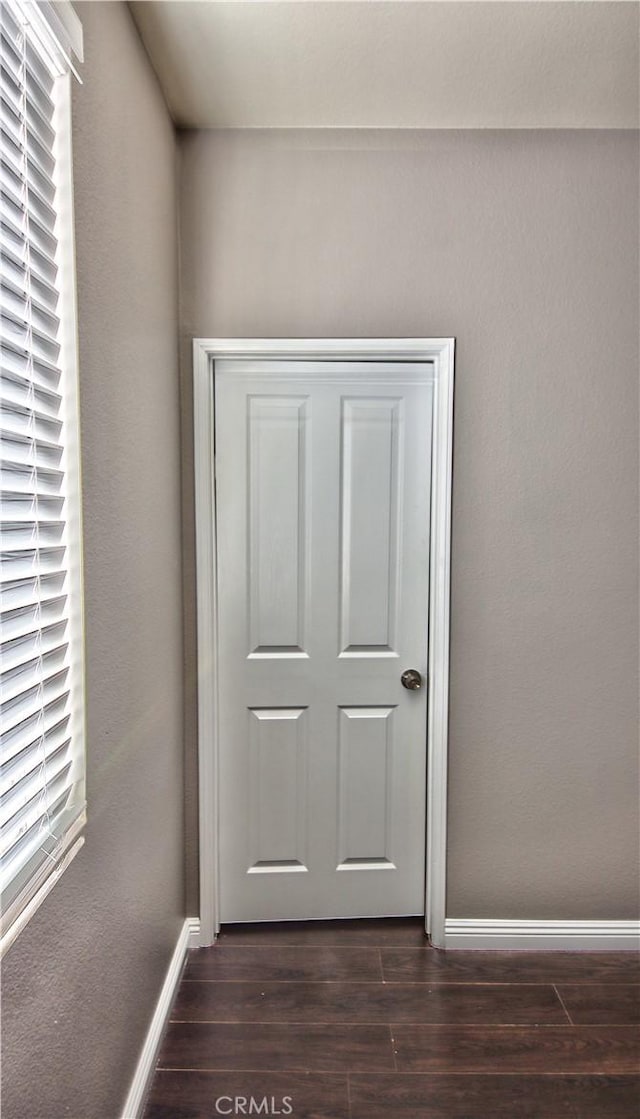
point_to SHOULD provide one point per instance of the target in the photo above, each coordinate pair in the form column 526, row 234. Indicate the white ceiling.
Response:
column 395, row 63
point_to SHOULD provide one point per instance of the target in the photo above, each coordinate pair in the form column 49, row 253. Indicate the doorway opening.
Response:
column 323, row 524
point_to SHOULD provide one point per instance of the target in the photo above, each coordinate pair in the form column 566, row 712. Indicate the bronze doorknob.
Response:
column 411, row 679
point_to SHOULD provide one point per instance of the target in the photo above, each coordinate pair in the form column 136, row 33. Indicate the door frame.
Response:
column 439, row 352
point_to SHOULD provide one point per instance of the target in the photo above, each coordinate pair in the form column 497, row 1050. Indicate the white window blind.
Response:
column 42, row 781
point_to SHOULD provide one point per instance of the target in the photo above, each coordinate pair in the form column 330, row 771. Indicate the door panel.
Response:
column 371, row 431
column 323, row 490
column 277, row 536
column 277, row 789
column 365, row 787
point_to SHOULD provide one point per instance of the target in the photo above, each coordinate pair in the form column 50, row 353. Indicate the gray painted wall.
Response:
column 80, row 984
column 524, row 246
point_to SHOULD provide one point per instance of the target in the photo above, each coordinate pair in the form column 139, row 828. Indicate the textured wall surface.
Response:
column 80, row 984
column 524, row 247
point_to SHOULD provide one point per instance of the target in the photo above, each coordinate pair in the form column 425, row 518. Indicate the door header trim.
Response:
column 439, row 352
column 327, row 349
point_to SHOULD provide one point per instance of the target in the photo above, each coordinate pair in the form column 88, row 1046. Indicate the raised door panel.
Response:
column 371, row 431
column 277, row 524
column 365, row 788
column 277, row 782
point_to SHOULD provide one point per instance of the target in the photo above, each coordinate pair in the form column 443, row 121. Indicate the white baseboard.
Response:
column 537, row 936
column 188, row 938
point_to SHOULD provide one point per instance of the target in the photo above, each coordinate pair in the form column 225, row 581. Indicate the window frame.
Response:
column 29, row 896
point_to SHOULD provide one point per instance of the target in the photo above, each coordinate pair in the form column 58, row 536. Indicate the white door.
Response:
column 322, row 495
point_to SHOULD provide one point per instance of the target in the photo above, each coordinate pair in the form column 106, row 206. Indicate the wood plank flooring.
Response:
column 363, row 1020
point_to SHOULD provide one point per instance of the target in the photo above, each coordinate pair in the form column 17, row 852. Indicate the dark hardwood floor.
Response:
column 363, row 1020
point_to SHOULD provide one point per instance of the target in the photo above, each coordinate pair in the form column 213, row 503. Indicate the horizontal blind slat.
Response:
column 24, row 536
column 18, row 482
column 20, row 338
column 21, row 61
column 17, row 58
column 20, row 385
column 20, row 564
column 42, row 774
column 15, row 275
column 31, row 454
column 23, row 370
column 20, row 144
column 40, row 748
column 24, row 308
column 20, row 184
column 34, row 847
column 28, row 422
column 49, row 801
column 20, row 620
column 20, row 592
column 27, row 507
column 13, row 282
column 31, row 450
column 14, row 94
column 18, row 165
column 17, row 76
column 24, row 335
column 22, row 198
column 33, row 233
column 15, row 245
column 35, row 643
column 27, row 715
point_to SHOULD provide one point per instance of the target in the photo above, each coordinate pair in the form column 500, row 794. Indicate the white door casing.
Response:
column 312, row 656
column 322, row 497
